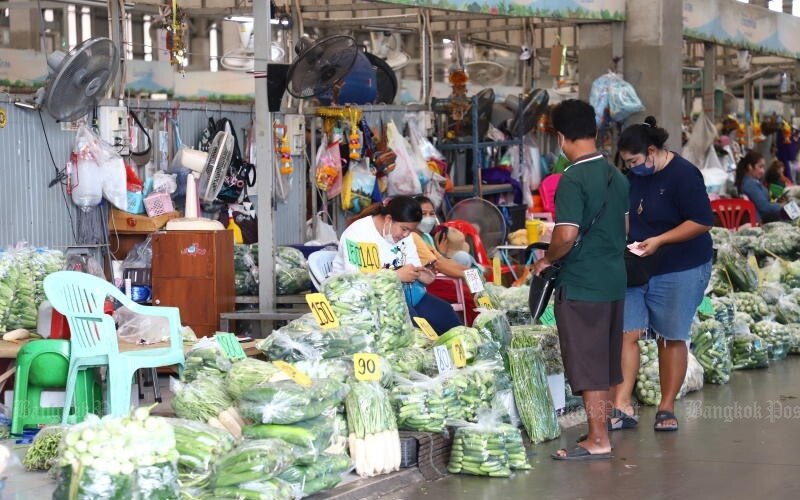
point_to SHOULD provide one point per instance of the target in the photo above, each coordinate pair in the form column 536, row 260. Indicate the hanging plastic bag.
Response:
column 622, row 99
column 403, row 180
column 328, row 167
column 359, row 182
column 320, row 230
column 598, row 96
column 113, row 177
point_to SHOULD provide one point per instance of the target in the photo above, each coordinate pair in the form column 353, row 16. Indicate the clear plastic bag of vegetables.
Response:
column 253, row 461
column 247, row 373
column 648, row 387
column 710, row 346
column 751, row 304
column 287, row 402
column 405, row 361
column 206, row 356
column 289, row 281
column 532, row 393
column 373, row 439
column 44, row 451
column 743, row 277
column 199, row 446
column 304, row 339
column 778, row 337
column 476, row 346
column 132, row 457
column 794, row 336
column 205, row 399
column 8, row 286
column 747, row 350
column 545, row 339
column 720, row 283
column 494, row 325
column 394, row 324
column 289, row 257
column 771, row 271
column 311, row 437
column 487, row 447
column 476, row 386
column 787, row 310
column 325, row 473
column 419, row 403
column 791, row 274
column 724, row 312
column 23, row 310
column 771, row 292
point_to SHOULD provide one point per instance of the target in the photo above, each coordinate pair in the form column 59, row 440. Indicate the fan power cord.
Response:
column 146, row 134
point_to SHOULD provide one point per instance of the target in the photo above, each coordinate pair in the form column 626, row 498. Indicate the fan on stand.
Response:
column 333, row 70
column 243, row 58
column 534, row 105
column 486, row 73
column 486, row 218
column 211, row 179
column 77, row 80
column 387, row 46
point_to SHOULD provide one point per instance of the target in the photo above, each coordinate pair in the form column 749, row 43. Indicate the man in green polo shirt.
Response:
column 589, row 242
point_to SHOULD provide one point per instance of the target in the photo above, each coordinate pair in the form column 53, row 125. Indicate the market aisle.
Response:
column 736, row 441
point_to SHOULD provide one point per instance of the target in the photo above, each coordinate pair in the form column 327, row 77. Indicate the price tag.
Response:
column 548, row 317
column 474, row 281
column 706, row 307
column 293, row 373
column 426, row 328
column 497, row 277
column 792, row 210
column 365, row 256
column 459, row 355
column 230, row 345
column 485, row 302
column 367, row 367
column 444, row 363
column 322, row 311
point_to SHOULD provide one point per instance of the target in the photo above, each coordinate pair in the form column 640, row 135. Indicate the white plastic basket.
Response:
column 158, row 203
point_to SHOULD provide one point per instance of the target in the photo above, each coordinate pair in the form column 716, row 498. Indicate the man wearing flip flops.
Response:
column 589, row 242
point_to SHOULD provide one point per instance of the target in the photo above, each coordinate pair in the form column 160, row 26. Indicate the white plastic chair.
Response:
column 319, row 266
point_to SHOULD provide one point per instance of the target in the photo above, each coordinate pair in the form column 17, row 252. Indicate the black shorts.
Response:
column 590, row 334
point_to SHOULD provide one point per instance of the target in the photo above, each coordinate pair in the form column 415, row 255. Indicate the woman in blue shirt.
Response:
column 749, row 173
column 669, row 218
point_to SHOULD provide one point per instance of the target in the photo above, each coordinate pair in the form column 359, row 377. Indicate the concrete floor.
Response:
column 736, row 441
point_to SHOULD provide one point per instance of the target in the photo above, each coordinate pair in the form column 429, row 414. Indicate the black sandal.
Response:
column 663, row 416
column 579, row 453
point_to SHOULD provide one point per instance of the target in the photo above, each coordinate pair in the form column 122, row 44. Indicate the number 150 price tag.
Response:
column 367, row 367
column 322, row 311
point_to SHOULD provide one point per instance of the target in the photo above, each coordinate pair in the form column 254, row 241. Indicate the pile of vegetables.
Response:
column 287, row 402
column 291, row 271
column 778, row 337
column 420, row 403
column 252, row 467
column 325, row 473
column 487, row 448
column 43, row 452
column 710, row 346
column 532, row 394
column 303, row 339
column 545, row 339
column 112, row 457
column 22, row 272
column 374, row 441
column 742, row 276
column 205, row 357
column 475, row 387
column 749, row 351
column 204, row 399
column 751, row 304
column 199, row 446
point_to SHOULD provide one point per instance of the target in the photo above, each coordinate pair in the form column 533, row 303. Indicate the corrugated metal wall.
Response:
column 40, row 215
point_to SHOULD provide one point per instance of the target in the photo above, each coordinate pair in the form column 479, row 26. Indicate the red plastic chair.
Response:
column 731, row 212
column 471, row 233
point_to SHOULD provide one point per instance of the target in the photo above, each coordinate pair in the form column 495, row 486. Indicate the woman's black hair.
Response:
column 774, row 172
column 637, row 138
column 421, row 198
column 748, row 160
column 399, row 208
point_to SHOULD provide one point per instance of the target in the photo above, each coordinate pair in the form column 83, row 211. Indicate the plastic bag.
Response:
column 320, row 230
column 622, row 99
column 545, row 340
column 89, row 146
column 771, row 292
column 205, row 356
column 777, row 336
column 404, row 179
column 476, row 386
column 199, row 446
column 164, row 182
column 532, row 394
column 253, row 461
column 710, row 346
column 310, row 437
column 287, row 402
column 44, row 451
column 599, row 96
column 787, row 309
column 374, row 440
column 420, row 403
column 751, row 304
column 325, row 473
column 694, row 377
column 749, row 351
column 487, row 448
column 358, row 186
column 743, row 277
column 304, row 339
column 203, row 399
column 140, row 256
column 86, row 184
column 494, row 324
column 139, row 328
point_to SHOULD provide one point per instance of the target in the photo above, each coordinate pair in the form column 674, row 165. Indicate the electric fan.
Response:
column 386, row 45
column 486, row 218
column 334, row 70
column 77, row 80
column 485, row 105
column 387, row 80
column 486, row 73
column 243, row 58
column 220, row 154
column 534, row 105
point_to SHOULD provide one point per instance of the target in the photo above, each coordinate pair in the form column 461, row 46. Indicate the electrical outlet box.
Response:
column 113, row 124
column 296, row 130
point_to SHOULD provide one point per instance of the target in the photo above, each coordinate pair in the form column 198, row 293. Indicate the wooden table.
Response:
column 9, row 350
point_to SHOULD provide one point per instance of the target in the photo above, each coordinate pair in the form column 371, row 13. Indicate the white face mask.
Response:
column 387, row 235
column 427, row 224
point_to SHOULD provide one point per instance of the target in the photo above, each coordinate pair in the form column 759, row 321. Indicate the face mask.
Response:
column 387, row 235
column 427, row 224
column 643, row 169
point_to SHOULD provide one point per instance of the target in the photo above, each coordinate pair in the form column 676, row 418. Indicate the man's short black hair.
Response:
column 575, row 119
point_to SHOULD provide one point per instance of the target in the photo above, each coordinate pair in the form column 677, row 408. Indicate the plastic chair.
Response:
column 43, row 364
column 477, row 245
column 731, row 212
column 80, row 297
column 319, row 266
column 461, row 304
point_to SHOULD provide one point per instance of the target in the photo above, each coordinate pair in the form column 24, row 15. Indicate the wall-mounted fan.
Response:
column 77, row 80
column 334, row 70
column 388, row 46
column 243, row 57
column 486, row 73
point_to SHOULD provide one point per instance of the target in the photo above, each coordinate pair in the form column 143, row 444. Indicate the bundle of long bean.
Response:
column 532, row 394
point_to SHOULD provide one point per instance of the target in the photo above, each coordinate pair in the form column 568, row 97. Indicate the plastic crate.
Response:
column 138, row 275
column 409, row 449
column 158, row 203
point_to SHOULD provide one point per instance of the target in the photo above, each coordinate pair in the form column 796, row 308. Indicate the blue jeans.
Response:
column 667, row 303
column 439, row 313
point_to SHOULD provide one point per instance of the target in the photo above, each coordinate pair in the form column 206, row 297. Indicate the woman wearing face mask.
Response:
column 749, row 172
column 390, row 227
column 670, row 216
column 444, row 289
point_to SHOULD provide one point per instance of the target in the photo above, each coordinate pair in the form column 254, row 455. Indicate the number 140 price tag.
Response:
column 367, row 367
column 322, row 311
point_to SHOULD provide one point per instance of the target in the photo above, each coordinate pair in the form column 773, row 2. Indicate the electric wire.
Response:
column 60, row 177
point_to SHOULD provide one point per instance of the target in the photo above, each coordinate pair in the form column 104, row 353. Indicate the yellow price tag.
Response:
column 426, row 328
column 367, row 367
column 497, row 277
column 365, row 256
column 459, row 355
column 322, row 311
column 485, row 302
column 293, row 373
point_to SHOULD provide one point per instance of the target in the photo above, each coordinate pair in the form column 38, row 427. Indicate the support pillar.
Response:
column 709, row 79
column 25, row 25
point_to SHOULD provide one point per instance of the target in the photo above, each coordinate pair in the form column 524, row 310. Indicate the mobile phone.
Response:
column 430, row 265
